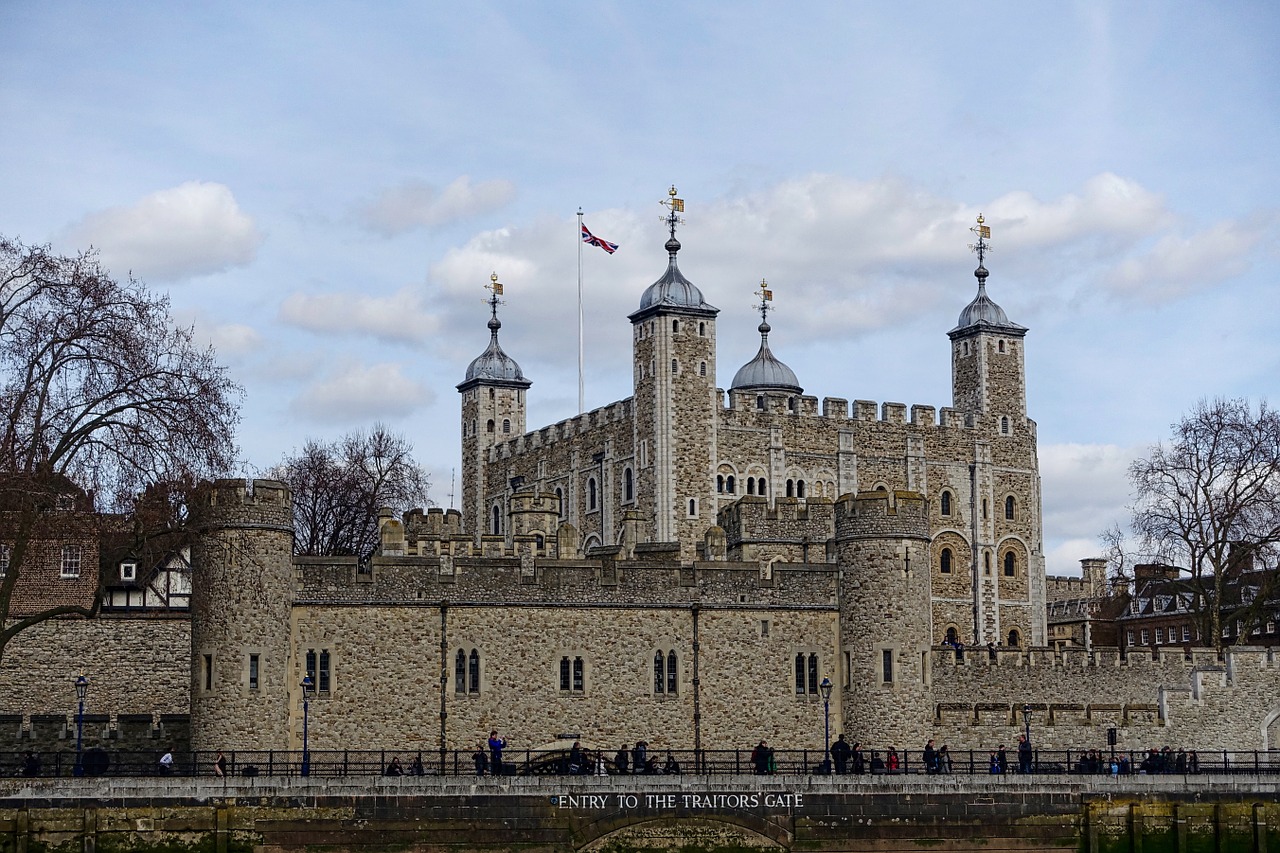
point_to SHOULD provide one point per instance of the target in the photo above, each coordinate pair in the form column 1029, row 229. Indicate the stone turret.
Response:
column 242, row 677
column 882, row 539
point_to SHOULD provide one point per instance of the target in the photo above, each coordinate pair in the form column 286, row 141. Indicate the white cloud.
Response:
column 415, row 204
column 843, row 256
column 1177, row 265
column 1085, row 491
column 234, row 339
column 398, row 318
column 173, row 234
column 355, row 393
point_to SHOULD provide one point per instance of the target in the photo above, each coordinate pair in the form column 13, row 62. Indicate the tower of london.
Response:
column 684, row 566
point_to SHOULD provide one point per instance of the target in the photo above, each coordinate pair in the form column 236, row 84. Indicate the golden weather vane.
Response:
column 982, row 247
column 676, row 207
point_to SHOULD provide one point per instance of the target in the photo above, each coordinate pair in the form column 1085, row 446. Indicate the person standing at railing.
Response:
column 930, row 758
column 1024, row 754
column 496, row 745
column 481, row 759
column 220, row 765
column 840, row 752
column 1003, row 758
column 944, row 760
column 621, row 758
column 166, row 763
column 859, row 763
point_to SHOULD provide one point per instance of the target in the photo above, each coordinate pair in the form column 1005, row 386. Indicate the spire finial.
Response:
column 766, row 296
column 675, row 206
column 495, row 290
column 982, row 247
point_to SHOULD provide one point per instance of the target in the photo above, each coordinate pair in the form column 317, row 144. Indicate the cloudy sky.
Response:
column 324, row 188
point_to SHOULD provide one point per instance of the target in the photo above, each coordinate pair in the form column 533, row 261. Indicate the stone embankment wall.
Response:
column 1150, row 814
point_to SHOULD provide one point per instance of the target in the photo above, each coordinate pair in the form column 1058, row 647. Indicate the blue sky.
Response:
column 324, row 189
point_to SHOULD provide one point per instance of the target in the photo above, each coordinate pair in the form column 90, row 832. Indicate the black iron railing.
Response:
column 746, row 761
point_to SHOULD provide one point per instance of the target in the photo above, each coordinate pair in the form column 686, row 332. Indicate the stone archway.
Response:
column 1270, row 730
column 710, row 832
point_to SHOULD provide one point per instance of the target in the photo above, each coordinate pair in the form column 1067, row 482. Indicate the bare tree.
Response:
column 1209, row 503
column 339, row 487
column 101, row 396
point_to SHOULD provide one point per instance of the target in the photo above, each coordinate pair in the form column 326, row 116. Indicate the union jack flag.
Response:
column 593, row 240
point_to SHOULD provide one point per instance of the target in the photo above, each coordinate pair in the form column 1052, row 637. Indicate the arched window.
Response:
column 952, row 636
column 490, row 393
column 572, row 674
column 813, row 673
column 702, row 330
column 1010, row 564
column 791, row 488
column 497, row 520
column 760, row 402
column 628, row 485
column 675, row 367
column 944, row 565
column 791, row 404
column 702, row 368
column 946, row 503
column 460, row 672
column 592, row 498
column 675, row 326
column 1000, row 346
column 720, row 483
column 560, row 500
column 659, row 671
column 1015, row 639
column 489, row 426
column 799, row 488
column 693, row 508
column 1004, row 425
column 751, row 485
column 473, row 672
column 761, row 487
column 800, row 674
column 1008, row 507
column 729, row 484
column 506, row 426
column 672, row 680
column 984, row 508
column 986, row 563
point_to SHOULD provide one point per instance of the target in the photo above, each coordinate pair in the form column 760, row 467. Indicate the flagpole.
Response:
column 581, row 396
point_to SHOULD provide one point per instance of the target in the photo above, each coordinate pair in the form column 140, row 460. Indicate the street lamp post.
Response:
column 825, row 688
column 82, row 688
column 307, row 687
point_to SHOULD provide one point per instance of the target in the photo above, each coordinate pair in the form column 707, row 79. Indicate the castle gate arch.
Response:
column 706, row 832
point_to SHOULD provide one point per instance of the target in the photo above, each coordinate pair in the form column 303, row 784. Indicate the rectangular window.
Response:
column 128, row 571
column 473, row 671
column 460, row 672
column 564, row 674
column 311, row 667
column 208, row 672
column 71, row 561
column 764, row 627
column 1159, row 636
column 1271, row 627
column 886, row 665
column 800, row 674
column 577, row 675
column 323, row 684
column 672, row 681
column 253, row 672
column 4, row 560
column 813, row 673
column 1128, row 636
column 1146, row 636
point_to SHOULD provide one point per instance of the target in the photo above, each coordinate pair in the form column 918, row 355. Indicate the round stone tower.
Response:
column 882, row 541
column 241, row 596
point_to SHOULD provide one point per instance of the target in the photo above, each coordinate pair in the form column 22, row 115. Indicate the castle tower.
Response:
column 988, row 378
column 882, row 542
column 765, row 384
column 988, row 374
column 493, row 411
column 242, row 680
column 674, row 358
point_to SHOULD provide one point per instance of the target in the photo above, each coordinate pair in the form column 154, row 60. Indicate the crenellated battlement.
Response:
column 255, row 503
column 882, row 514
column 619, row 412
column 742, row 407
